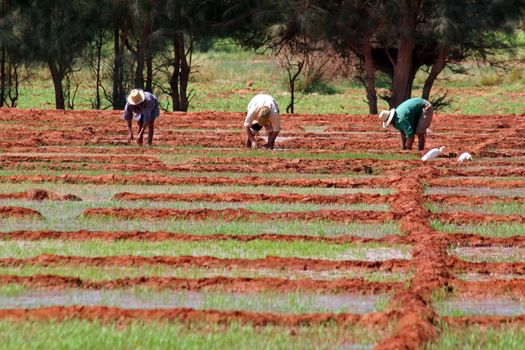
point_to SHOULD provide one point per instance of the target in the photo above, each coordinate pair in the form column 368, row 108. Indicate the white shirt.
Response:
column 259, row 101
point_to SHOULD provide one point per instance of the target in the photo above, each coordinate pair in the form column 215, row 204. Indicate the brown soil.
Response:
column 185, row 237
column 240, row 214
column 225, row 284
column 39, row 195
column 112, row 314
column 271, row 262
column 478, row 218
column 259, row 197
column 498, row 137
column 485, row 321
column 444, row 182
column 472, row 200
column 18, row 212
column 490, row 288
column 149, row 179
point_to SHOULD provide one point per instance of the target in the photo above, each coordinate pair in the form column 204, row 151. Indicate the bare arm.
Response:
column 250, row 139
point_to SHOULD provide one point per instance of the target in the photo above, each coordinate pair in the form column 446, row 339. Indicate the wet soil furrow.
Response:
column 471, row 200
column 111, row 314
column 224, row 284
column 149, row 179
column 18, row 212
column 417, row 318
column 484, row 321
column 277, row 263
column 256, row 197
column 185, row 237
column 241, row 214
column 477, row 218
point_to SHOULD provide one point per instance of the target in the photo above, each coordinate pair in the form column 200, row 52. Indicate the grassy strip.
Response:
column 477, row 191
column 491, row 208
column 313, row 228
column 245, row 154
column 502, row 230
column 220, row 249
column 70, row 210
column 106, row 192
column 104, row 273
column 478, row 337
column 233, row 175
column 80, row 334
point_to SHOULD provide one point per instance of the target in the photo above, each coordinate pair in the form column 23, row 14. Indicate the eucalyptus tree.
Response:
column 55, row 33
column 400, row 37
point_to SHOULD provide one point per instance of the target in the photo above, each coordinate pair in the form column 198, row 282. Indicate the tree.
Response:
column 399, row 37
column 55, row 33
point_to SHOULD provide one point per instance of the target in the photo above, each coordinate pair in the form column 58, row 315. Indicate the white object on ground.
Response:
column 464, row 156
column 433, row 153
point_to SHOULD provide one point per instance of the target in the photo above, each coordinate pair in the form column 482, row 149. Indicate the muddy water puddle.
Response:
column 482, row 306
column 479, row 191
column 377, row 254
column 490, row 254
column 294, row 303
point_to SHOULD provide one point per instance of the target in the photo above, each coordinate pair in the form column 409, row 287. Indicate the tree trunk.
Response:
column 403, row 70
column 139, row 71
column 57, row 76
column 149, row 73
column 184, row 72
column 118, row 93
column 437, row 68
column 181, row 74
column 99, row 45
column 290, row 108
column 174, row 80
column 3, row 77
column 3, row 61
column 371, row 93
column 13, row 84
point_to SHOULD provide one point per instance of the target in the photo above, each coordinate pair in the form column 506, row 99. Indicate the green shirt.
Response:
column 407, row 116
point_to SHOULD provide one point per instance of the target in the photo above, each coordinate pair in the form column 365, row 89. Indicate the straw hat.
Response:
column 136, row 96
column 263, row 115
column 386, row 116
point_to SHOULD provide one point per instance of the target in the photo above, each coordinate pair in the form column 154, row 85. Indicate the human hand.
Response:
column 254, row 144
column 130, row 138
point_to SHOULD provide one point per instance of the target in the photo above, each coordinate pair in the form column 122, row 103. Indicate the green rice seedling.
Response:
column 67, row 210
column 295, row 155
column 221, row 249
column 477, row 337
column 321, row 228
column 82, row 334
column 491, row 208
column 286, row 176
column 488, row 230
column 105, row 192
column 104, row 273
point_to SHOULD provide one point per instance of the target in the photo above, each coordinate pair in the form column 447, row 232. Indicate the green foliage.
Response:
column 81, row 334
column 480, row 337
column 491, row 80
column 220, row 249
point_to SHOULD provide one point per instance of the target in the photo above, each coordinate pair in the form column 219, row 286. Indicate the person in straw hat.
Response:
column 412, row 117
column 144, row 108
column 266, row 110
